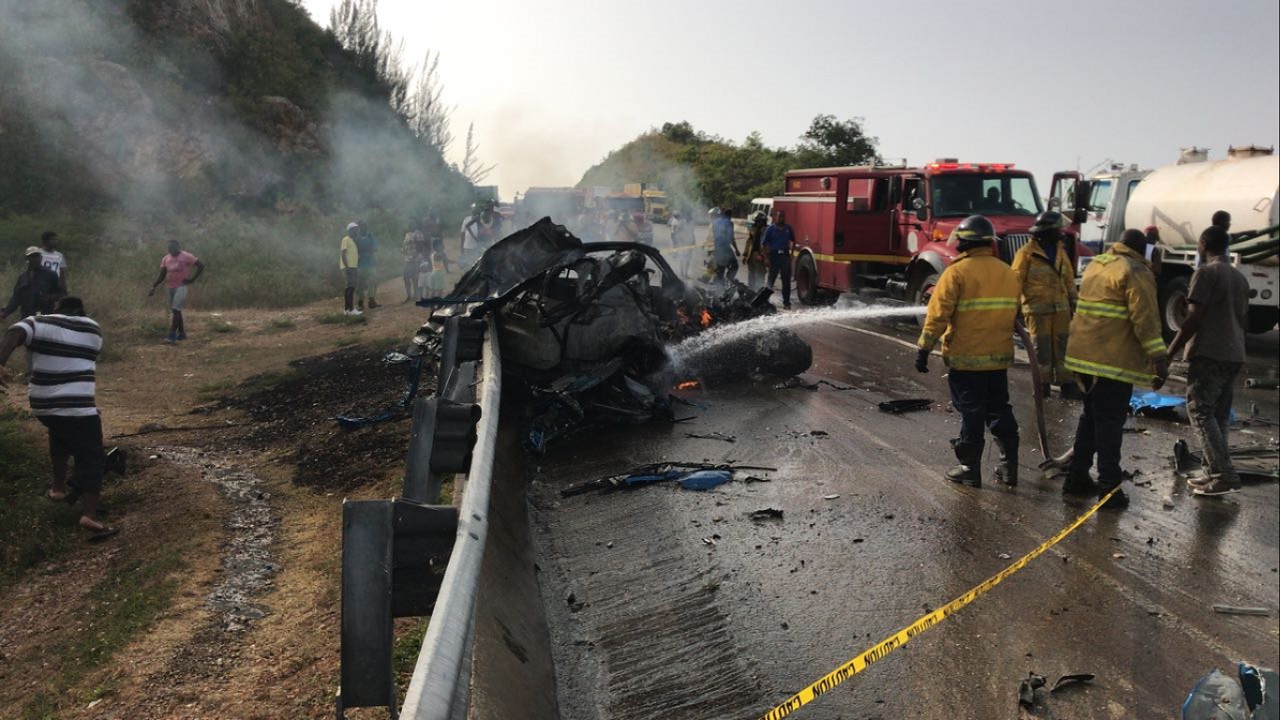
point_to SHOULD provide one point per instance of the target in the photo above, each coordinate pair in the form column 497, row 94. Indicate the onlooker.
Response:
column 682, row 240
column 36, row 290
column 1213, row 334
column 726, row 248
column 52, row 259
column 753, row 253
column 175, row 269
column 414, row 245
column 348, row 262
column 778, row 239
column 626, row 229
column 366, row 267
column 1115, row 342
column 62, row 349
column 1221, row 219
column 439, row 265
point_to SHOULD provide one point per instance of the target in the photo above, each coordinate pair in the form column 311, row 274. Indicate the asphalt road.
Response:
column 675, row 604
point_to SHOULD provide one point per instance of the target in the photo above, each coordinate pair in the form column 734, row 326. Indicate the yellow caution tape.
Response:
column 878, row 651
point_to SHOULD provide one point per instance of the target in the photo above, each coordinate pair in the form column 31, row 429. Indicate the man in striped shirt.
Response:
column 63, row 349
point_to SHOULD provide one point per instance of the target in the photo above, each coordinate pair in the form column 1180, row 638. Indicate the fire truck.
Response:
column 885, row 228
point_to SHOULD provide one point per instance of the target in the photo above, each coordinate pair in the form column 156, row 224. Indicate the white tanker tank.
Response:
column 1181, row 199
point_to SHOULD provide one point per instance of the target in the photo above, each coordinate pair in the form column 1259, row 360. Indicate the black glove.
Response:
column 922, row 361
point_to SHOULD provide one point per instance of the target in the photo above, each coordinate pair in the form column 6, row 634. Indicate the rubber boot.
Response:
column 969, row 471
column 1046, row 389
column 1071, row 391
column 1079, row 483
column 1119, row 501
column 1007, row 470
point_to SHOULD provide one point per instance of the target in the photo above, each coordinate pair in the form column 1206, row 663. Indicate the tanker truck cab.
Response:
column 1095, row 206
column 883, row 230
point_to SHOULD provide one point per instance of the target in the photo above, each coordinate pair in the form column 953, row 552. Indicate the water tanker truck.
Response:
column 1180, row 200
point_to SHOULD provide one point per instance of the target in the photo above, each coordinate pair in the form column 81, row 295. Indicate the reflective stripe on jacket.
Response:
column 1047, row 288
column 972, row 312
column 1116, row 331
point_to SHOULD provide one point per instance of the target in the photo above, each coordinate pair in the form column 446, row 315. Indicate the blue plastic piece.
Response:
column 705, row 479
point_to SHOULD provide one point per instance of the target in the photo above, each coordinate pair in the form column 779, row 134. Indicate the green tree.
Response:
column 834, row 143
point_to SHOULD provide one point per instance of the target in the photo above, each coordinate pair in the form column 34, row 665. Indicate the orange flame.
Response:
column 706, row 318
column 687, row 385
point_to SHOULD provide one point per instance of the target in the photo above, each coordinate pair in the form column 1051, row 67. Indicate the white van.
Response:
column 764, row 205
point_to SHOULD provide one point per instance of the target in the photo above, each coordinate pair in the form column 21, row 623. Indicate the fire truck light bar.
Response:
column 981, row 167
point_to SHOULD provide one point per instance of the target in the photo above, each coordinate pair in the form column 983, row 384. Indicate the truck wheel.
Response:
column 921, row 291
column 807, row 280
column 1173, row 305
column 1262, row 319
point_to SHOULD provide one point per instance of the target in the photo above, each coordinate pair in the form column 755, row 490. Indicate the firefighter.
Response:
column 1048, row 282
column 1115, row 343
column 973, row 312
column 753, row 253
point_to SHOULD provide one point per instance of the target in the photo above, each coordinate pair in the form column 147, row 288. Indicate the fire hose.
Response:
column 1050, row 462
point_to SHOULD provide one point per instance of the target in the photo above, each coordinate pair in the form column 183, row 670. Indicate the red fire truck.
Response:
column 886, row 227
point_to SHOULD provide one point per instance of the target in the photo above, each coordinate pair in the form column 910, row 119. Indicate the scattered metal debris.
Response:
column 1027, row 689
column 712, row 436
column 1067, row 681
column 1236, row 610
column 766, row 514
column 651, row 473
column 1254, row 463
column 897, row 407
column 1262, row 383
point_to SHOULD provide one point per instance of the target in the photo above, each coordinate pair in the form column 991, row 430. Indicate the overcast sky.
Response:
column 553, row 85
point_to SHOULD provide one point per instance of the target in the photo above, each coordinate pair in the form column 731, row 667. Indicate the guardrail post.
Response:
column 367, row 540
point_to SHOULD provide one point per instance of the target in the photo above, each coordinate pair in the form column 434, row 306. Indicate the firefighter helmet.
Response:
column 973, row 230
column 1047, row 222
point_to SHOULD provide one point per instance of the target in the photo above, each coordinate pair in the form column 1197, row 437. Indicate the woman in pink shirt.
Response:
column 175, row 267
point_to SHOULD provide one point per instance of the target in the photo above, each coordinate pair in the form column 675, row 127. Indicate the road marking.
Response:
column 882, row 649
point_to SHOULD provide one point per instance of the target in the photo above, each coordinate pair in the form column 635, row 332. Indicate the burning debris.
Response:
column 585, row 326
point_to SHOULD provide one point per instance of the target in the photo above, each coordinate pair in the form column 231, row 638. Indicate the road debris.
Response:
column 1219, row 695
column 1027, row 690
column 651, row 473
column 1252, row 463
column 796, row 382
column 766, row 514
column 1262, row 383
column 712, row 436
column 1236, row 610
column 1067, row 681
column 830, row 497
column 897, row 407
column 705, row 479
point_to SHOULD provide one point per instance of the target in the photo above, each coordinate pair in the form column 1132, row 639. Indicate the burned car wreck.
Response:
column 585, row 328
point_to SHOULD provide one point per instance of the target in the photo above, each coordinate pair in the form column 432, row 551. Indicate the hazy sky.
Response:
column 553, row 85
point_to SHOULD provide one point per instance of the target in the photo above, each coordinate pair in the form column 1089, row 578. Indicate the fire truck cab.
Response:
column 886, row 227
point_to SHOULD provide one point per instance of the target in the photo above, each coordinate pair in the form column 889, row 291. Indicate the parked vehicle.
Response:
column 1180, row 200
column 885, row 228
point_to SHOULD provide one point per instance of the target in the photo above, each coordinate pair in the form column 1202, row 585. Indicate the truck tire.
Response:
column 1173, row 304
column 807, row 280
column 1262, row 319
column 922, row 290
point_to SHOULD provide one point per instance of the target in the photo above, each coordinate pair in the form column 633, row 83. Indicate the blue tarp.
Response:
column 1155, row 404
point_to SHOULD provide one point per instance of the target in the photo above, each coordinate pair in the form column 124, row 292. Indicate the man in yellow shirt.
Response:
column 349, row 263
column 973, row 311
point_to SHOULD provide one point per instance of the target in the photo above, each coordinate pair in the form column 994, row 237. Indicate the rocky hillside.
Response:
column 189, row 106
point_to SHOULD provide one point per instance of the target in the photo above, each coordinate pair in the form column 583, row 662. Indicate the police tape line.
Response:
column 878, row 651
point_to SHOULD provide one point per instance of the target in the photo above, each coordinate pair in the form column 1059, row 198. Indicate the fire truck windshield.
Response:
column 960, row 195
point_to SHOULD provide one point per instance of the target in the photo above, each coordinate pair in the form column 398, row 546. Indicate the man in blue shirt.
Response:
column 726, row 250
column 777, row 242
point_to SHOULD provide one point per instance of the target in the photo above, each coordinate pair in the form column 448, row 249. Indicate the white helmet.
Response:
column 714, row 212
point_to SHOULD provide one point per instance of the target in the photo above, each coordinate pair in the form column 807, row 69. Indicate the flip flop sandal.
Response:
column 48, row 495
column 95, row 536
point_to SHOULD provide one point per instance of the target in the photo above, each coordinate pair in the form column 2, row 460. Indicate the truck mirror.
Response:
column 1080, row 215
column 917, row 204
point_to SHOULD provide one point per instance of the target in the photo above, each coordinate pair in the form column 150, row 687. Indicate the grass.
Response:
column 280, row 323
column 338, row 318
column 347, row 341
column 404, row 654
column 214, row 390
column 32, row 529
column 220, row 326
column 125, row 603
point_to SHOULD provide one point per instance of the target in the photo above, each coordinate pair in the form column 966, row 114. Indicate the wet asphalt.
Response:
column 676, row 604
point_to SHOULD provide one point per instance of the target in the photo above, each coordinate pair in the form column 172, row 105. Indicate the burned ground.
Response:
column 295, row 411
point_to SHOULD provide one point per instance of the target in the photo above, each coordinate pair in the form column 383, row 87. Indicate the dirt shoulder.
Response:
column 219, row 599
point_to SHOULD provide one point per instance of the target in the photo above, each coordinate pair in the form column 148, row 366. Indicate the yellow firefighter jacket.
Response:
column 1116, row 331
column 974, row 304
column 1046, row 289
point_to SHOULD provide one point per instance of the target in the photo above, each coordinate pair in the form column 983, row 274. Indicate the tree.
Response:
column 427, row 114
column 354, row 23
column 472, row 169
column 832, row 143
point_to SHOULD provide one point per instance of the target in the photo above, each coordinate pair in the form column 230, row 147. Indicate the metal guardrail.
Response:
column 442, row 668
